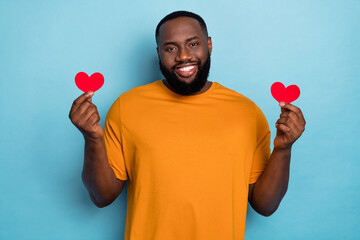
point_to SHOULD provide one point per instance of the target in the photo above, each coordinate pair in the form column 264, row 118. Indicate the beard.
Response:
column 184, row 88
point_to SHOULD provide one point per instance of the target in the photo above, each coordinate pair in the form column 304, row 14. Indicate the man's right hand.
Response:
column 97, row 175
column 85, row 116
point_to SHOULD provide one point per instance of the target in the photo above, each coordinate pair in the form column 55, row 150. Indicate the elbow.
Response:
column 102, row 194
column 265, row 212
column 267, row 206
column 99, row 201
column 100, row 204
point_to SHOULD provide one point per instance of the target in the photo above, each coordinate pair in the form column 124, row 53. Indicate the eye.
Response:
column 169, row 49
column 193, row 44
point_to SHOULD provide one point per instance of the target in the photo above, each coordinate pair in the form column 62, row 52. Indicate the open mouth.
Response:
column 186, row 71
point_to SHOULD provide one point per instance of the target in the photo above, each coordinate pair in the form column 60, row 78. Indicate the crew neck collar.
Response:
column 179, row 96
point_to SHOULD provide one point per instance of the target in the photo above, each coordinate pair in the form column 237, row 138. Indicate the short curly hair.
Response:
column 181, row 14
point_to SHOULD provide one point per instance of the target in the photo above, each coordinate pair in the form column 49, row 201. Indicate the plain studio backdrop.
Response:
column 43, row 44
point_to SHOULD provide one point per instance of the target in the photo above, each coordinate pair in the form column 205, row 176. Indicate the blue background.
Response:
column 43, row 44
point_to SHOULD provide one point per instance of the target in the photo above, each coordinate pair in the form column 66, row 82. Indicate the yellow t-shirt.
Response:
column 188, row 160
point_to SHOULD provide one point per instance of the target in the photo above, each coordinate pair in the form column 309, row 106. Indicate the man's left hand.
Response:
column 290, row 126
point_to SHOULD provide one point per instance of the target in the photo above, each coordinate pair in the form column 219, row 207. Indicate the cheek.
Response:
column 166, row 61
column 201, row 53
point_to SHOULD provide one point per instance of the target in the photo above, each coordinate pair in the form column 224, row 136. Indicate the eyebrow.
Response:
column 187, row 40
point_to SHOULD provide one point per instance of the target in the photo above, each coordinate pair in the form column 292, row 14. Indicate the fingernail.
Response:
column 282, row 104
column 90, row 93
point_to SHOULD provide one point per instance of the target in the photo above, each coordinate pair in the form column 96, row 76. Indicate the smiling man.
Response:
column 193, row 151
column 186, row 71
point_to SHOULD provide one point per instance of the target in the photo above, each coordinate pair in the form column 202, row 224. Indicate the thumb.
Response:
column 91, row 95
column 281, row 104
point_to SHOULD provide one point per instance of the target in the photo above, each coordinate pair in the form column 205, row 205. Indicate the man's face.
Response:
column 184, row 54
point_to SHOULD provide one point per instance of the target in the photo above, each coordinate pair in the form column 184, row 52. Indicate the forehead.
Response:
column 180, row 29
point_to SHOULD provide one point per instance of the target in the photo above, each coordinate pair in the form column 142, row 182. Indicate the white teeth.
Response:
column 186, row 69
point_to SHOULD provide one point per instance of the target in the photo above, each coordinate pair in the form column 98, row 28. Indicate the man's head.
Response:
column 184, row 50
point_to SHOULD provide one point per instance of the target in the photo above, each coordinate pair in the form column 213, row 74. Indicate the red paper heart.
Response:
column 86, row 83
column 282, row 94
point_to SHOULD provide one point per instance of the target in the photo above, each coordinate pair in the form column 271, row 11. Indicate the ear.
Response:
column 209, row 45
column 158, row 53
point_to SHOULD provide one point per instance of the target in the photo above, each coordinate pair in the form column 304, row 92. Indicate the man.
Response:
column 194, row 151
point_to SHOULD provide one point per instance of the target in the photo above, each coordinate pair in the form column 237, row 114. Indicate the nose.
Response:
column 183, row 55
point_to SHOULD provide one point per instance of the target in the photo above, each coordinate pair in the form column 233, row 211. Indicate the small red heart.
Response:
column 282, row 94
column 86, row 83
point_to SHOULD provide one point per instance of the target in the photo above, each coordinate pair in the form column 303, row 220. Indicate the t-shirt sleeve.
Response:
column 262, row 153
column 113, row 141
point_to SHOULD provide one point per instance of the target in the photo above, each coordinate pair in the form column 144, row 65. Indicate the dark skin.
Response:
column 97, row 175
column 267, row 192
column 181, row 43
column 182, row 40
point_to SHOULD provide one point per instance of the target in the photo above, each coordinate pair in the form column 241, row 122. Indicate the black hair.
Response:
column 180, row 14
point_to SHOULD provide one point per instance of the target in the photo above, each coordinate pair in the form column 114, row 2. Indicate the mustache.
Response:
column 198, row 63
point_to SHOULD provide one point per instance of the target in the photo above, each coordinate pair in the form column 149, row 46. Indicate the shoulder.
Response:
column 242, row 102
column 248, row 107
column 232, row 95
column 136, row 93
column 144, row 91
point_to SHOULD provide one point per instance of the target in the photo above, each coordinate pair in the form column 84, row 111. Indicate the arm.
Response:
column 266, row 194
column 97, row 175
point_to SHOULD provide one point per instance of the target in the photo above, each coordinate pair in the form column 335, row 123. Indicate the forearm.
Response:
column 97, row 175
column 272, row 185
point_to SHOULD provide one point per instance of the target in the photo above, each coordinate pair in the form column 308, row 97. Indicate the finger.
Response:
column 299, row 124
column 290, row 107
column 284, row 114
column 289, row 123
column 78, row 101
column 289, row 114
column 283, row 110
column 93, row 119
column 98, row 119
column 299, row 121
column 83, row 108
column 283, row 128
column 282, row 121
column 89, row 112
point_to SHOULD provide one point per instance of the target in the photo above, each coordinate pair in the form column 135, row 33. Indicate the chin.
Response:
column 187, row 81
